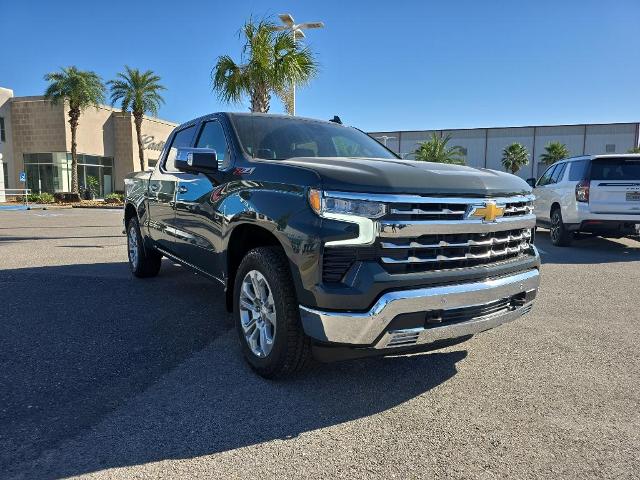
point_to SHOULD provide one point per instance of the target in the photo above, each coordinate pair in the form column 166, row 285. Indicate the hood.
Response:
column 373, row 175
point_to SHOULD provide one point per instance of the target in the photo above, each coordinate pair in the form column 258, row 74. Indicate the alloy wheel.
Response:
column 257, row 313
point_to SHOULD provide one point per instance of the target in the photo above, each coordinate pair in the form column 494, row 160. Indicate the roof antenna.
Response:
column 336, row 119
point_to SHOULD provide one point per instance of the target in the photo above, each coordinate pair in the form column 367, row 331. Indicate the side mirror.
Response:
column 531, row 182
column 197, row 160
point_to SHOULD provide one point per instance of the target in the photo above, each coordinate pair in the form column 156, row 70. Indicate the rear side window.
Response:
column 615, row 169
column 558, row 173
column 578, row 170
column 181, row 139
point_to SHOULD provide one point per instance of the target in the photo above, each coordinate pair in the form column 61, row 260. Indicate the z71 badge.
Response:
column 243, row 171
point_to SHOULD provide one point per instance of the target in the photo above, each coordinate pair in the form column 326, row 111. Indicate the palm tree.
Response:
column 554, row 152
column 271, row 63
column 514, row 157
column 79, row 89
column 436, row 150
column 140, row 92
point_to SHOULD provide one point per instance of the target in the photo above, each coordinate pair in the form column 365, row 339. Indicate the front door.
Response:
column 198, row 218
column 161, row 196
column 543, row 194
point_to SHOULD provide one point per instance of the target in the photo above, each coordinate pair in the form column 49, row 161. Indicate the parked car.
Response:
column 599, row 194
column 328, row 244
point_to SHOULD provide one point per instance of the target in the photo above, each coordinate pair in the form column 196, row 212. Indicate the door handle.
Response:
column 182, row 189
column 154, row 187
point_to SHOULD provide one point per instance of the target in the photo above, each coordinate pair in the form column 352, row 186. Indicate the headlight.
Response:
column 323, row 205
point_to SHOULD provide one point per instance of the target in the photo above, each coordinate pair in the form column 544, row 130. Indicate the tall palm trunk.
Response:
column 260, row 99
column 74, row 118
column 137, row 119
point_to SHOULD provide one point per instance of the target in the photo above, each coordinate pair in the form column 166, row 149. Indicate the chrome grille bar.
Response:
column 444, row 258
column 420, row 211
column 417, row 228
column 470, row 243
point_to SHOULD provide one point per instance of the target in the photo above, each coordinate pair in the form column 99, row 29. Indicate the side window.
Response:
column 545, row 179
column 212, row 136
column 181, row 139
column 578, row 170
column 558, row 173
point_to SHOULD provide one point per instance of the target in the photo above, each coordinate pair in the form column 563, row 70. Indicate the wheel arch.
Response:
column 243, row 238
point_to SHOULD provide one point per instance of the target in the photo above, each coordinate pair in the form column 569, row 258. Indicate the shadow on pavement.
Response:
column 81, row 343
column 587, row 249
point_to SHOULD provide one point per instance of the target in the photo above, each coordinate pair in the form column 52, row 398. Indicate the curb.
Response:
column 104, row 207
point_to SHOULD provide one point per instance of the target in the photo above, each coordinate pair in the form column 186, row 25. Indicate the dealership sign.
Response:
column 149, row 143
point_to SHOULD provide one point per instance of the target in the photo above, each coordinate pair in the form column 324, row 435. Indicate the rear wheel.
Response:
column 143, row 262
column 560, row 236
column 266, row 315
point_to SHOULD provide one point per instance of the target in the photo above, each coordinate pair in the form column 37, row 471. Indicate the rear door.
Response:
column 615, row 185
column 161, row 196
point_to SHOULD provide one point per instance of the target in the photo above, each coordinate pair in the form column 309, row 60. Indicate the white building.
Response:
column 483, row 146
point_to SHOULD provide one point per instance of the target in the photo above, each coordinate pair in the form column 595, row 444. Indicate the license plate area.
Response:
column 633, row 196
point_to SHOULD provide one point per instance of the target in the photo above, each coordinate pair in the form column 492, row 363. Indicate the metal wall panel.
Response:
column 410, row 140
column 471, row 140
column 499, row 138
column 571, row 135
column 622, row 136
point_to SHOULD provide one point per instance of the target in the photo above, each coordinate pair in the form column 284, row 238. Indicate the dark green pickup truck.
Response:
column 329, row 245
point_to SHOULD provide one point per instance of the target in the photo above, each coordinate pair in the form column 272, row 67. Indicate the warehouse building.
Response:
column 482, row 147
column 36, row 138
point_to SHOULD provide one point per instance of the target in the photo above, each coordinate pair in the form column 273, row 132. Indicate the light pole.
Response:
column 385, row 139
column 296, row 30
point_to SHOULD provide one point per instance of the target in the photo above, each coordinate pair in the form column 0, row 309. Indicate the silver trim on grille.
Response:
column 526, row 234
column 419, row 211
column 416, row 228
column 444, row 258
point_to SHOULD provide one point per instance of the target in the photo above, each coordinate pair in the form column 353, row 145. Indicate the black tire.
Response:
column 560, row 236
column 290, row 349
column 143, row 262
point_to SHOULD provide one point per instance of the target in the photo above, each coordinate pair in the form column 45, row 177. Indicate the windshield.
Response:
column 615, row 169
column 278, row 138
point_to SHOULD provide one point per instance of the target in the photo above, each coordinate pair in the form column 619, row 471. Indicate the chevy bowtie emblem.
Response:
column 489, row 212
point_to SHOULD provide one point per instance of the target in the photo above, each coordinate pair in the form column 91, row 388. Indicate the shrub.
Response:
column 114, row 198
column 46, row 198
column 66, row 197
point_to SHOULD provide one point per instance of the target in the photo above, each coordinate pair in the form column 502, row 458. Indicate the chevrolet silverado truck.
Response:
column 329, row 245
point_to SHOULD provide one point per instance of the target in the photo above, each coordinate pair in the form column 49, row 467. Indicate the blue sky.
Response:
column 384, row 65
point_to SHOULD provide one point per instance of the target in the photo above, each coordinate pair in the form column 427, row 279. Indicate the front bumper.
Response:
column 372, row 328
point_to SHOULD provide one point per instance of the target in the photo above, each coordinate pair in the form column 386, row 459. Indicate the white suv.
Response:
column 593, row 193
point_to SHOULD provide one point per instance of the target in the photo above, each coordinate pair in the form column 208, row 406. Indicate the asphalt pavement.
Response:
column 106, row 376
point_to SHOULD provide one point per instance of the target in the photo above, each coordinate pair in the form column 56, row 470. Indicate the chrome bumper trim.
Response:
column 363, row 328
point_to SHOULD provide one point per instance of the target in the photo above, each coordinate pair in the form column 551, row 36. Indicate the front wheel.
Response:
column 143, row 262
column 560, row 236
column 266, row 315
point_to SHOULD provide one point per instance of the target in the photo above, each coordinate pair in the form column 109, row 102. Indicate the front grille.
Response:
column 427, row 233
column 437, row 252
column 420, row 234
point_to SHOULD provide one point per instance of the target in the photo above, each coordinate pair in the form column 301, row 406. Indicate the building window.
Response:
column 51, row 172
column 3, row 135
column 610, row 148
